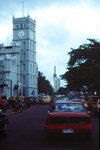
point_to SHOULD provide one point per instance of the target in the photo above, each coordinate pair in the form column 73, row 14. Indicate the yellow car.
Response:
column 45, row 99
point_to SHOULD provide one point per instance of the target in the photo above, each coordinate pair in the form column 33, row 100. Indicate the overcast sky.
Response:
column 60, row 26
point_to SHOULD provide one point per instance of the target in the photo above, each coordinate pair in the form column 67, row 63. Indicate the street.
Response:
column 26, row 130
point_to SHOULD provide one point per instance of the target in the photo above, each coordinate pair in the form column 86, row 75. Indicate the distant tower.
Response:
column 55, row 79
column 54, row 75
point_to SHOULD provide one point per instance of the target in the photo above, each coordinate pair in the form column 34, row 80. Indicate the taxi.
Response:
column 45, row 99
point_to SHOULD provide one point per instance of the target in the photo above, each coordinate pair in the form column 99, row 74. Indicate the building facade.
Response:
column 18, row 67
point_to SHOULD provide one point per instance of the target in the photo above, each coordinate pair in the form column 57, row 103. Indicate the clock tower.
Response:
column 24, row 37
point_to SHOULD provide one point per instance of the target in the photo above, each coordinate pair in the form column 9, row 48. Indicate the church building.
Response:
column 18, row 66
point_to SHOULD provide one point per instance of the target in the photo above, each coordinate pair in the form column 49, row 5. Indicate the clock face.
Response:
column 21, row 33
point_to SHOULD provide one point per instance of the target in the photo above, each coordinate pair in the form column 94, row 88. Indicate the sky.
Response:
column 60, row 26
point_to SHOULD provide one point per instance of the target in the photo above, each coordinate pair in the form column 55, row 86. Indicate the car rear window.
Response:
column 69, row 107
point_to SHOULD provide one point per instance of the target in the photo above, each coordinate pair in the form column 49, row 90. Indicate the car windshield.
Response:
column 46, row 97
column 69, row 107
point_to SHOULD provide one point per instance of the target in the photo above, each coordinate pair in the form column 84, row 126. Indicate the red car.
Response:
column 68, row 118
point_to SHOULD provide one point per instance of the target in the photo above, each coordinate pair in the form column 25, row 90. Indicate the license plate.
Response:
column 68, row 130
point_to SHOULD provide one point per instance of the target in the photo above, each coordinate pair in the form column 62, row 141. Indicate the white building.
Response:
column 18, row 67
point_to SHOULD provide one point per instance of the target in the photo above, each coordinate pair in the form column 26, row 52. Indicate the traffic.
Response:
column 68, row 118
column 65, row 115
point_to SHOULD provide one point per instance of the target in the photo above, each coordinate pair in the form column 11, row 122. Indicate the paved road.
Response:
column 26, row 131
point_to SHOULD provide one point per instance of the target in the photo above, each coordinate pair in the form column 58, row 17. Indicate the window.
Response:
column 30, row 56
column 21, row 26
column 30, row 67
column 17, row 26
column 24, row 56
column 1, row 63
column 69, row 107
column 24, row 45
column 30, row 79
column 30, row 45
column 23, row 67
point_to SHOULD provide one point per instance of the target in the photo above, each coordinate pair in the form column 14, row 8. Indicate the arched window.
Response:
column 30, row 67
column 30, row 45
column 30, row 56
column 24, row 56
column 23, row 67
column 30, row 79
column 21, row 26
column 24, row 45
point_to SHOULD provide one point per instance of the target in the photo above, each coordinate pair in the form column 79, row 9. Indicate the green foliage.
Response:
column 62, row 91
column 83, row 69
column 44, row 85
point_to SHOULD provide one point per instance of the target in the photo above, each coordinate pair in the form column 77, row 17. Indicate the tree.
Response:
column 62, row 91
column 44, row 85
column 83, row 71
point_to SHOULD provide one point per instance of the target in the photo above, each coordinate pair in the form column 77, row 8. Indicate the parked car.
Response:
column 3, row 123
column 68, row 118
